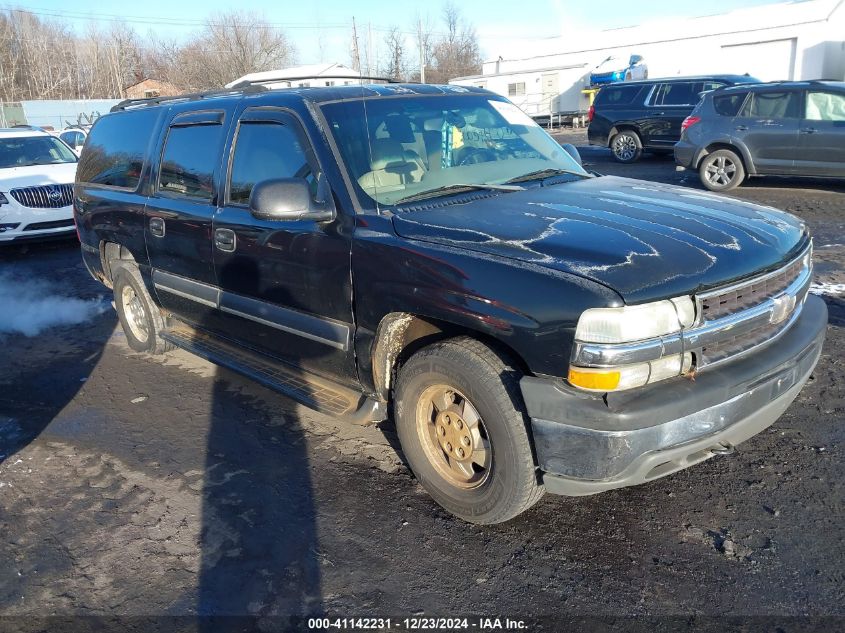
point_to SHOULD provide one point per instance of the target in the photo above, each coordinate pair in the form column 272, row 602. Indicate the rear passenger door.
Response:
column 285, row 285
column 179, row 214
column 821, row 144
column 669, row 104
column 768, row 126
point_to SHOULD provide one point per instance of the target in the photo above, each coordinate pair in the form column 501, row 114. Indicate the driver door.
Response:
column 285, row 286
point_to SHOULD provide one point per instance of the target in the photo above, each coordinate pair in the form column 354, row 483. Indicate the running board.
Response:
column 312, row 391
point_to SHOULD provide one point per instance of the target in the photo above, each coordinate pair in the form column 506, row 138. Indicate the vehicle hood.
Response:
column 32, row 175
column 645, row 240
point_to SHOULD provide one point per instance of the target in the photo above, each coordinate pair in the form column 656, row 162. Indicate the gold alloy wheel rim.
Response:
column 453, row 436
column 136, row 318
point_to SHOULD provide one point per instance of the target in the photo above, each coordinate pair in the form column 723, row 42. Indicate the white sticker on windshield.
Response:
column 512, row 114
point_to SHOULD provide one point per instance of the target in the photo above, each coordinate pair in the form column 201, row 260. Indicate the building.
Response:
column 302, row 77
column 784, row 41
column 149, row 88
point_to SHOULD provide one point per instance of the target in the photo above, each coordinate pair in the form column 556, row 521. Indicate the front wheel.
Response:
column 463, row 431
column 626, row 146
column 722, row 170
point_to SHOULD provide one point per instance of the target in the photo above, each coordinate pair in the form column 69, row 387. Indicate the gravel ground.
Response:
column 133, row 485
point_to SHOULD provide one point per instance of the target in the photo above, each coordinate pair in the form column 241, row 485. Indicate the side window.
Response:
column 825, row 106
column 711, row 85
column 617, row 95
column 264, row 150
column 115, row 152
column 675, row 94
column 772, row 105
column 187, row 163
column 729, row 104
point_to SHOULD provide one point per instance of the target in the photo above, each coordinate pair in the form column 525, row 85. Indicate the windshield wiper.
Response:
column 547, row 173
column 456, row 188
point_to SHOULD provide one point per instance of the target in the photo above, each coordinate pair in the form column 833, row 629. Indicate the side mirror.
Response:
column 570, row 149
column 289, row 199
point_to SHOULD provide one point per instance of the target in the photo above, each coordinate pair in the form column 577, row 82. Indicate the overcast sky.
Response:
column 321, row 29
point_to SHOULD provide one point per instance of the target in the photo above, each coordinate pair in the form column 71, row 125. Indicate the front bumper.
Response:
column 587, row 445
column 30, row 224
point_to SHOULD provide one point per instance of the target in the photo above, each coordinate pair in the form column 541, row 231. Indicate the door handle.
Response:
column 741, row 128
column 157, row 227
column 808, row 130
column 225, row 240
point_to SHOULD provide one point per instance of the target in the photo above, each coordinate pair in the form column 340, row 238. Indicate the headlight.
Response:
column 630, row 324
column 3, row 199
column 634, row 323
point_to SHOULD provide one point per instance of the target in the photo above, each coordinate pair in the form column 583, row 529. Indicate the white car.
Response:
column 75, row 137
column 37, row 171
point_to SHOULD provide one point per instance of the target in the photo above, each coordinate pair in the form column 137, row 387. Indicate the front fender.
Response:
column 531, row 309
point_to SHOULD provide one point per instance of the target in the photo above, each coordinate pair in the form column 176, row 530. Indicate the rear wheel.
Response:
column 141, row 319
column 463, row 431
column 626, row 146
column 722, row 170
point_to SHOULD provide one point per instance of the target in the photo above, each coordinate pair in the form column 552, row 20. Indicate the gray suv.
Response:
column 784, row 128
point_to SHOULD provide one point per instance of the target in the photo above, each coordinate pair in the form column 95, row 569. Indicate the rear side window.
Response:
column 729, row 104
column 116, row 147
column 675, row 94
column 266, row 150
column 617, row 95
column 825, row 106
column 772, row 105
column 187, row 164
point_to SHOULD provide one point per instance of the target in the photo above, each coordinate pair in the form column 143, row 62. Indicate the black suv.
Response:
column 787, row 128
column 646, row 115
column 430, row 252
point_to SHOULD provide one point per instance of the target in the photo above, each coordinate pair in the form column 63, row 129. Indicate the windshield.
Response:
column 23, row 151
column 407, row 148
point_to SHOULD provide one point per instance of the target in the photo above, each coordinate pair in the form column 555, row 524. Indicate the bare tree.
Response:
column 457, row 52
column 396, row 66
column 231, row 45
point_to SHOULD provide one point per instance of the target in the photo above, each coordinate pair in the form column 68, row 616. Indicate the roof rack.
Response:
column 128, row 104
column 27, row 126
column 262, row 82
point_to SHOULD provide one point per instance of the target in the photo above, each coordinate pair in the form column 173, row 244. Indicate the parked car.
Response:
column 786, row 128
column 36, row 185
column 430, row 252
column 75, row 136
column 646, row 115
column 614, row 69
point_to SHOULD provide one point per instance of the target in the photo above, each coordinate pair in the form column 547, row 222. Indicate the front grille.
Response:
column 747, row 295
column 734, row 299
column 55, row 224
column 729, row 348
column 44, row 196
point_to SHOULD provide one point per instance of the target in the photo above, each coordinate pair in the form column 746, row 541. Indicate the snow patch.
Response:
column 825, row 288
column 28, row 307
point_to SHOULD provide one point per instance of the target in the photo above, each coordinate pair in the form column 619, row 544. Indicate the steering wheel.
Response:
column 477, row 156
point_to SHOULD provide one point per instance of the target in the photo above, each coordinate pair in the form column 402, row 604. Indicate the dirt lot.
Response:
column 140, row 486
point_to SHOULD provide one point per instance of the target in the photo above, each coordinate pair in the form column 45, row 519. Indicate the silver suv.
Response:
column 784, row 128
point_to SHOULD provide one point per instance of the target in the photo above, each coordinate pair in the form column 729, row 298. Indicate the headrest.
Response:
column 384, row 152
column 399, row 128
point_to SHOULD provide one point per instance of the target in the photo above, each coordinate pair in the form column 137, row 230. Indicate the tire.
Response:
column 626, row 146
column 497, row 479
column 721, row 170
column 142, row 321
